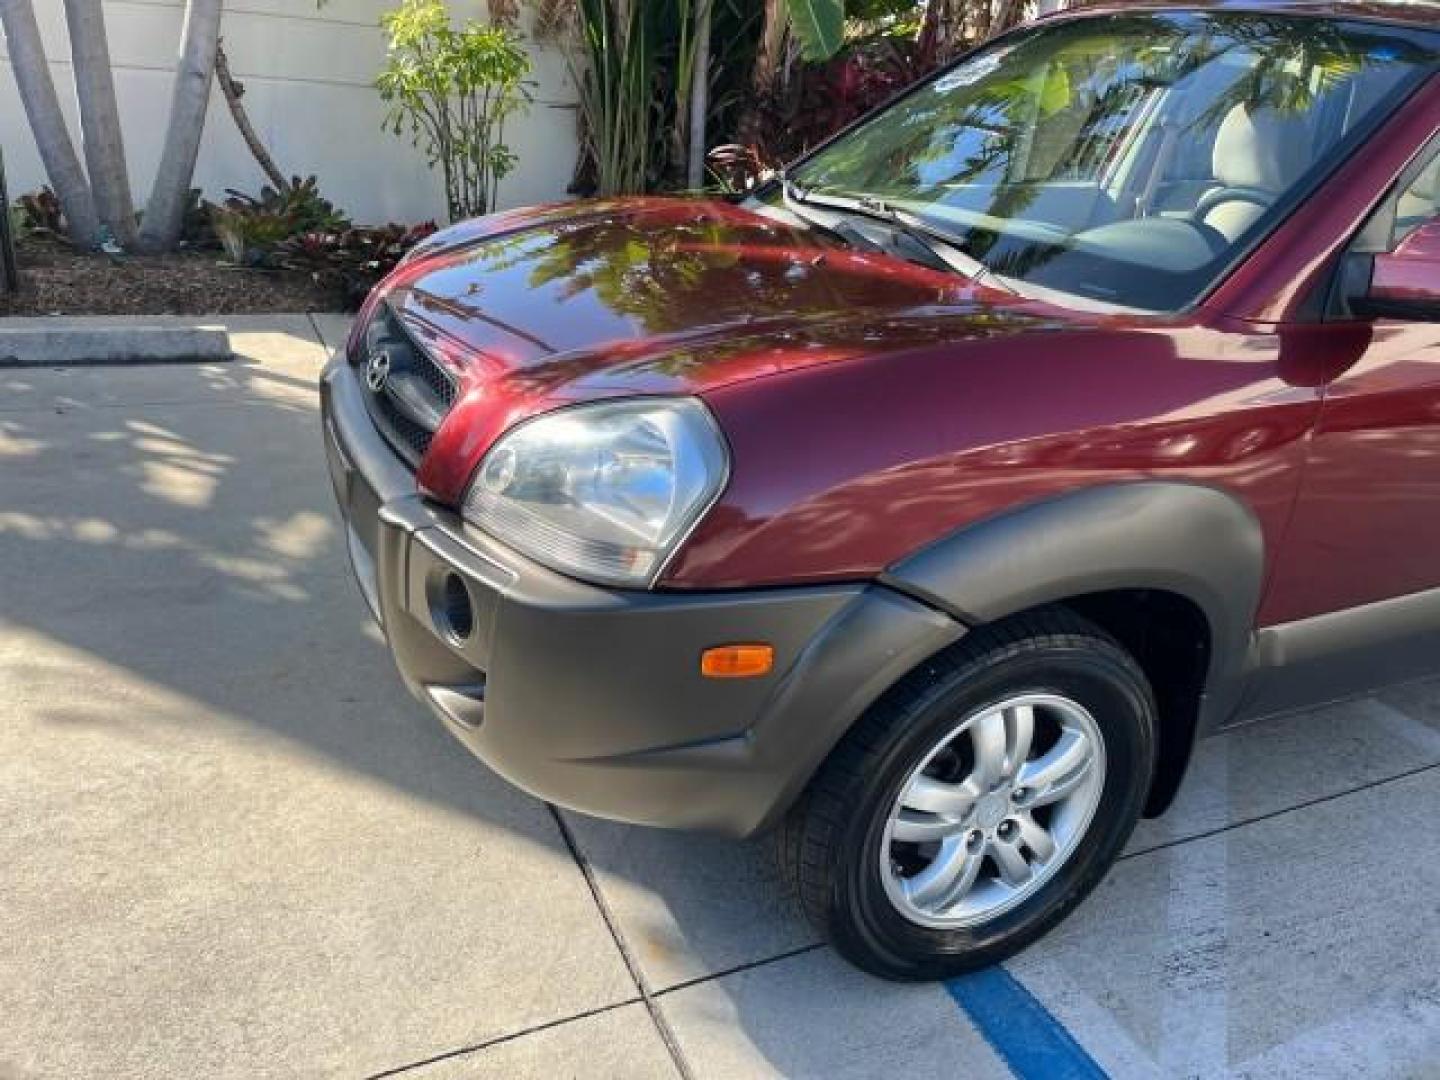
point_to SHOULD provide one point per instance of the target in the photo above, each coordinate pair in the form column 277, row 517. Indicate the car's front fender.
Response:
column 1187, row 539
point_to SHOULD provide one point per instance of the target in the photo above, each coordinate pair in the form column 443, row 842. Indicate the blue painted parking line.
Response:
column 1033, row 1043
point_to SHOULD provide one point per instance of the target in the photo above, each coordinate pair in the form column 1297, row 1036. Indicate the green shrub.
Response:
column 452, row 91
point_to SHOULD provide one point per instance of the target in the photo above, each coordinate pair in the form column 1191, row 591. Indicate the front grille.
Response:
column 438, row 380
column 407, row 392
column 410, row 439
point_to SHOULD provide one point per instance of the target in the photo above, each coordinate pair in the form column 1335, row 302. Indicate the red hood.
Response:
column 539, row 308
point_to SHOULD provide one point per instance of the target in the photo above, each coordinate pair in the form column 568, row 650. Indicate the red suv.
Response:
column 927, row 504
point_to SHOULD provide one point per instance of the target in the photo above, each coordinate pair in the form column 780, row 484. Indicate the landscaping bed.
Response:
column 56, row 280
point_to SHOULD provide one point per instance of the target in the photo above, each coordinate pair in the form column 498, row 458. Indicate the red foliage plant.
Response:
column 352, row 261
column 816, row 101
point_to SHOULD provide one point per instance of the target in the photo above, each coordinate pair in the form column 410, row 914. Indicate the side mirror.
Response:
column 1405, row 283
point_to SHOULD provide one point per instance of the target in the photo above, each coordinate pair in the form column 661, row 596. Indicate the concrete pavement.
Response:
column 232, row 846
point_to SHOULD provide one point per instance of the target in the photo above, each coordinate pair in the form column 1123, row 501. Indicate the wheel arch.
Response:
column 1172, row 570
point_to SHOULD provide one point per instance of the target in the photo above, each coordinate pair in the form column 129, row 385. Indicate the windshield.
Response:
column 1127, row 159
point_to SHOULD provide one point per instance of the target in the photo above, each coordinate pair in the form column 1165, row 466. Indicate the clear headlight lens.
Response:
column 605, row 491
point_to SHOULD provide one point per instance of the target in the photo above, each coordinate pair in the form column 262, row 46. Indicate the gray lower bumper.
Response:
column 592, row 698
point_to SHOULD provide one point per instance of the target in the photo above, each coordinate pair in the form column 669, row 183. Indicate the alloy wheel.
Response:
column 993, row 811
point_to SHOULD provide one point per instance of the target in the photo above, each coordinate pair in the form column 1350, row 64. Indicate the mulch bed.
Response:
column 55, row 280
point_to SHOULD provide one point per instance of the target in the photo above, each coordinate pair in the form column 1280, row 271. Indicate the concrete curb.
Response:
column 66, row 346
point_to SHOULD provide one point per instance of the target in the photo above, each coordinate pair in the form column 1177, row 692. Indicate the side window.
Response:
column 1419, row 203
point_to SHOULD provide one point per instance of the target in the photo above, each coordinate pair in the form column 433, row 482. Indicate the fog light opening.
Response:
column 452, row 609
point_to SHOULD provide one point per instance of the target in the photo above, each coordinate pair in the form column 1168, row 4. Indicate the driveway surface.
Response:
column 230, row 844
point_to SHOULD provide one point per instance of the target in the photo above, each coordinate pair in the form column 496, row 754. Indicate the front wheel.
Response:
column 978, row 802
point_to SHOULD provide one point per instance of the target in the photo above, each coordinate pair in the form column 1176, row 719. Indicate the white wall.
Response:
column 308, row 78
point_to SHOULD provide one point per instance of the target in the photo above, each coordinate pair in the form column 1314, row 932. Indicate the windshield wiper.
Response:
column 943, row 250
column 794, row 197
column 791, row 188
column 797, row 197
column 917, row 233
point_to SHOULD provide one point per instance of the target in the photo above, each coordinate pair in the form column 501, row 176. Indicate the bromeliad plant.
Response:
column 41, row 212
column 250, row 228
column 452, row 90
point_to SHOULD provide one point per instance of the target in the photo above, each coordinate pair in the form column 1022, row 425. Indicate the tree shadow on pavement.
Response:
column 175, row 585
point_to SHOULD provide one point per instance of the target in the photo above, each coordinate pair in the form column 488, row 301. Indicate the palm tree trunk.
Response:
column 165, row 212
column 47, row 122
column 233, row 92
column 1007, row 15
column 944, row 26
column 100, row 118
column 9, row 271
column 699, row 95
column 765, row 75
column 772, row 45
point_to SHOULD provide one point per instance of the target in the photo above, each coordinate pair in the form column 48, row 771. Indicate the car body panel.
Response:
column 1367, row 527
column 954, row 436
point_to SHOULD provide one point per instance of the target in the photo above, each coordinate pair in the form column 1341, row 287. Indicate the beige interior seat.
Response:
column 1258, row 154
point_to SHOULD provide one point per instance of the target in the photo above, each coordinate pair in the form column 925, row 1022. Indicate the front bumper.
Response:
column 593, row 698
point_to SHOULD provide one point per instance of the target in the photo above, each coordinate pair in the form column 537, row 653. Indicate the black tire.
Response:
column 829, row 843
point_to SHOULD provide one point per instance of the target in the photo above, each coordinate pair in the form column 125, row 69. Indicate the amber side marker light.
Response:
column 737, row 661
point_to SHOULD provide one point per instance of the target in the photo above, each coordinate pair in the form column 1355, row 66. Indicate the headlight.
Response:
column 604, row 492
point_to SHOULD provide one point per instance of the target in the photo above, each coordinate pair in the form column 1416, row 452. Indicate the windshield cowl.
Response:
column 908, row 238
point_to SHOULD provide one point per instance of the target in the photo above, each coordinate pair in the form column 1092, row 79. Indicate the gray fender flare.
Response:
column 1184, row 538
